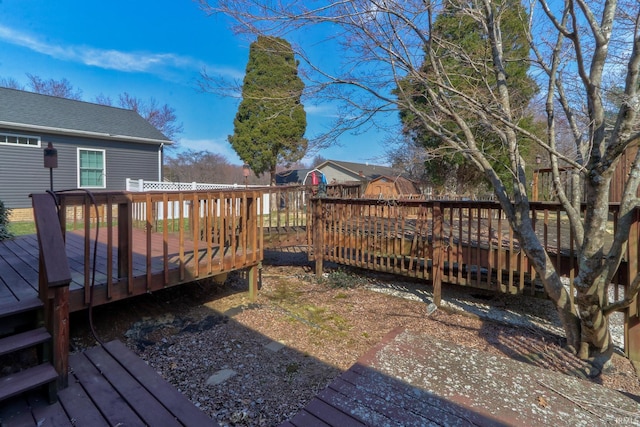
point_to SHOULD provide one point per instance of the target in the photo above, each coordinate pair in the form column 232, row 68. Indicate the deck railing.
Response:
column 453, row 242
column 54, row 277
column 179, row 237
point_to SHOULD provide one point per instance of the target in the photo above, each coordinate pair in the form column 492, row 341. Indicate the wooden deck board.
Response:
column 108, row 401
column 412, row 379
column 79, row 407
column 19, row 265
column 107, row 387
column 146, row 406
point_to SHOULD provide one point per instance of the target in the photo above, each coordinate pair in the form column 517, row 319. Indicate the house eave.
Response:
column 75, row 132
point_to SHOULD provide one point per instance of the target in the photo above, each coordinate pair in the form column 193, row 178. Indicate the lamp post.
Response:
column 245, row 173
column 50, row 162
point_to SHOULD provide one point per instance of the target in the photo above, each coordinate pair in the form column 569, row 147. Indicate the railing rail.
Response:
column 53, row 280
column 212, row 232
column 454, row 242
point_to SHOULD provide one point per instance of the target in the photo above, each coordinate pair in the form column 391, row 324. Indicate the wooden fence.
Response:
column 453, row 242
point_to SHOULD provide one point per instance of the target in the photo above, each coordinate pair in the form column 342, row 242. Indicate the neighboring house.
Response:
column 98, row 146
column 337, row 172
column 387, row 187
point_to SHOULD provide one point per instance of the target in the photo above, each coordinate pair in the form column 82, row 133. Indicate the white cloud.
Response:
column 145, row 62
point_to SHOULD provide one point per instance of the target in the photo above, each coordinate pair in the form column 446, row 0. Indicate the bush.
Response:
column 4, row 222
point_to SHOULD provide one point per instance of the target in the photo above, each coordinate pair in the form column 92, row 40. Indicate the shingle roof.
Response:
column 27, row 110
column 369, row 171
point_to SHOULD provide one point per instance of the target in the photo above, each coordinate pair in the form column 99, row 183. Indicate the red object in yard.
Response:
column 314, row 178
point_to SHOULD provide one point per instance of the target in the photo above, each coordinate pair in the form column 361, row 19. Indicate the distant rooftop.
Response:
column 28, row 111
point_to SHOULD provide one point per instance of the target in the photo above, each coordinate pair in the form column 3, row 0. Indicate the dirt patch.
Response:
column 277, row 352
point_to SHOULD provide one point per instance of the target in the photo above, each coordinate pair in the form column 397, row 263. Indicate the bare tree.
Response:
column 162, row 117
column 11, row 83
column 60, row 88
column 576, row 43
column 207, row 167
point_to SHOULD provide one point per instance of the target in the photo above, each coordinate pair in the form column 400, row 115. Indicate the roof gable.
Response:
column 28, row 111
column 363, row 169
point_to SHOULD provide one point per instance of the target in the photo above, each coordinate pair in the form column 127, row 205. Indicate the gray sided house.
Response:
column 339, row 172
column 98, row 146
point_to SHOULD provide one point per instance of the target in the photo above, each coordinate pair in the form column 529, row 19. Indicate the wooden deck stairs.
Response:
column 22, row 332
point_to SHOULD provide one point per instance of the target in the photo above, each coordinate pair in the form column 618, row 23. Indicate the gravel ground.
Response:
column 258, row 363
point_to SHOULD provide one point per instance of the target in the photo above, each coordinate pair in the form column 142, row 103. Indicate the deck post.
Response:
column 318, row 237
column 436, row 269
column 54, row 277
column 253, row 282
column 632, row 321
column 124, row 238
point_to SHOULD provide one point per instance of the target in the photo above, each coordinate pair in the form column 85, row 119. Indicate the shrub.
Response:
column 4, row 222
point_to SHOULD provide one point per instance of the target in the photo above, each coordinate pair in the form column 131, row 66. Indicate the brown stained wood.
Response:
column 512, row 263
column 110, row 404
column 492, row 249
column 233, row 228
column 46, row 414
column 15, row 261
column 304, row 419
column 165, row 237
column 109, row 245
column 50, row 240
column 195, row 230
column 79, row 406
column 23, row 340
column 14, row 384
column 459, row 245
column 125, row 242
column 500, row 265
column 58, row 324
column 86, row 211
column 332, row 416
column 181, row 234
column 207, row 232
column 163, row 392
column 16, row 287
column 438, row 254
column 142, row 400
column 148, row 228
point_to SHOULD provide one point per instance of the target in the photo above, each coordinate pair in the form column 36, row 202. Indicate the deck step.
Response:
column 26, row 380
column 21, row 306
column 24, row 340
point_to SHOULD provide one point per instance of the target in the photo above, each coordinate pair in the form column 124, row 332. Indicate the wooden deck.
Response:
column 109, row 386
column 19, row 266
column 410, row 379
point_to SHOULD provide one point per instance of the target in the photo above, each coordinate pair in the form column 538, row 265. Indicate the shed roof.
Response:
column 367, row 170
column 28, row 111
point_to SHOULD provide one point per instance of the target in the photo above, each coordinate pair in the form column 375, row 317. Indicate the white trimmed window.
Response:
column 23, row 140
column 91, row 168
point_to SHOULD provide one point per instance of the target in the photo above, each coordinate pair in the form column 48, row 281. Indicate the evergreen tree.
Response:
column 270, row 123
column 465, row 52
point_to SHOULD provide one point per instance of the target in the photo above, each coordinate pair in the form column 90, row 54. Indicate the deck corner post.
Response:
column 318, row 238
column 253, row 283
column 437, row 254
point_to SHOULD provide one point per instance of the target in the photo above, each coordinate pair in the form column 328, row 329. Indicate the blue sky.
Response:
column 149, row 49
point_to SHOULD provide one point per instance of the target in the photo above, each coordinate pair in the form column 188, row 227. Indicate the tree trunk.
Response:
column 552, row 283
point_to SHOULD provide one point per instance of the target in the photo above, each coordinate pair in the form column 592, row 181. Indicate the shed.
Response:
column 386, row 187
